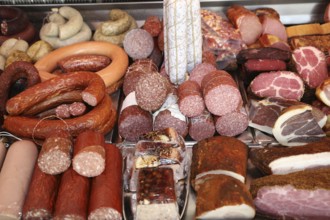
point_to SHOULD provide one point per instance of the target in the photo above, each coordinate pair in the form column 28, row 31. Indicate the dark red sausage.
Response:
column 84, row 62
column 73, row 195
column 15, row 71
column 153, row 25
column 27, row 34
column 106, row 191
column 13, row 20
column 190, row 99
column 89, row 154
column 40, row 200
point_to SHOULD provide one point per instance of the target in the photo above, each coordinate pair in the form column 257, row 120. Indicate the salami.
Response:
column 15, row 178
column 194, row 34
column 134, row 121
column 232, row 124
column 72, row 198
column 153, row 25
column 55, row 155
column 175, row 39
column 198, row 73
column 40, row 200
column 221, row 94
column 190, row 100
column 151, row 91
column 106, row 189
column 138, row 43
column 201, row 126
column 89, row 154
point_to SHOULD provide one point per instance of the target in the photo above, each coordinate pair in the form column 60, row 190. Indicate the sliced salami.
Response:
column 190, row 101
column 220, row 93
column 201, row 126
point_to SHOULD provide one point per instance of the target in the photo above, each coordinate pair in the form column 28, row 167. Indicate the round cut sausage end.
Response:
column 192, row 106
column 105, row 213
column 88, row 164
column 223, row 99
column 54, row 162
column 232, row 124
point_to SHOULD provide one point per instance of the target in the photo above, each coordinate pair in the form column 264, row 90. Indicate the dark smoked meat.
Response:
column 263, row 53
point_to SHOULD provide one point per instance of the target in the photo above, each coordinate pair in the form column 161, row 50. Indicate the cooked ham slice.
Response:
column 281, row 84
column 311, row 64
column 271, row 25
column 297, row 126
column 300, row 195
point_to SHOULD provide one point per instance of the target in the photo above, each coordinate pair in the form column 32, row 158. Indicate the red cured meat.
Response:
column 198, row 73
column 273, row 26
column 281, row 84
column 311, row 64
column 264, row 65
column 190, row 101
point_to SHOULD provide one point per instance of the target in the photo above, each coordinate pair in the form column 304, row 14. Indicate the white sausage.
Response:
column 85, row 34
column 3, row 151
column 73, row 25
column 194, row 34
column 175, row 39
column 2, row 62
column 15, row 177
column 13, row 44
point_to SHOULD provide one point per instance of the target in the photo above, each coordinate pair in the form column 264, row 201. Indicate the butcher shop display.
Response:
column 164, row 110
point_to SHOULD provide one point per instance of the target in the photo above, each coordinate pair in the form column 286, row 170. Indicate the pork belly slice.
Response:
column 323, row 92
column 156, row 198
column 280, row 84
column 299, row 195
column 311, row 65
column 219, row 155
column 283, row 160
column 223, row 197
column 297, row 126
column 264, row 113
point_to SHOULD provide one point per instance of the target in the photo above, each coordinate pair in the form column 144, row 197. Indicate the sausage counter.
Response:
column 174, row 109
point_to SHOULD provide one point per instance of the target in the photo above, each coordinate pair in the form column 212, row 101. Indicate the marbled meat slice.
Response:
column 299, row 195
column 311, row 64
column 297, row 126
column 281, row 84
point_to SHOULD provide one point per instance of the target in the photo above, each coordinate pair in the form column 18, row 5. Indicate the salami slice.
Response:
column 106, row 190
column 40, row 200
column 201, row 126
column 72, row 198
column 89, row 154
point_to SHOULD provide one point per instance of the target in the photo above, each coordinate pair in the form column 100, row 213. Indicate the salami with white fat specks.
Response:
column 232, row 124
column 134, row 121
column 201, row 126
column 221, row 94
column 171, row 116
column 151, row 91
column 190, row 101
column 200, row 70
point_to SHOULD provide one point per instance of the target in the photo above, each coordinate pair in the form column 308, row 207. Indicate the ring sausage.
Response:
column 27, row 34
column 92, row 94
column 13, row 20
column 110, row 74
column 101, row 118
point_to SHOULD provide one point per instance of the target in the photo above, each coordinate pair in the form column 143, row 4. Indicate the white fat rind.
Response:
column 242, row 211
column 168, row 211
column 129, row 100
column 223, row 172
column 296, row 163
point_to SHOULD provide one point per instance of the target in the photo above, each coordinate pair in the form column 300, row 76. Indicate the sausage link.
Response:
column 101, row 118
column 84, row 62
column 13, row 20
column 92, row 85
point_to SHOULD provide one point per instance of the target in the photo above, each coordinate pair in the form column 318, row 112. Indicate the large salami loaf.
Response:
column 40, row 200
column 221, row 94
column 72, row 198
column 175, row 39
column 106, row 190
